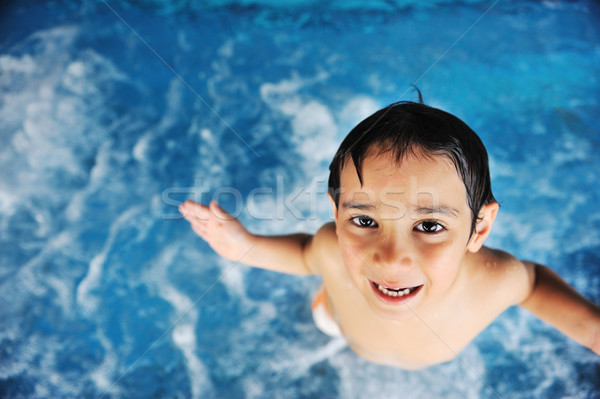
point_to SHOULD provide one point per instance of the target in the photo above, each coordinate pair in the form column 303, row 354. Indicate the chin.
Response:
column 394, row 315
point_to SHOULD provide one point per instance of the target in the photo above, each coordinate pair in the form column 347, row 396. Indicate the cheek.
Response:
column 441, row 262
column 431, row 253
column 353, row 253
column 350, row 256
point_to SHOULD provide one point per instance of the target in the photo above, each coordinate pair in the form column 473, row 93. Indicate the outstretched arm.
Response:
column 560, row 305
column 228, row 237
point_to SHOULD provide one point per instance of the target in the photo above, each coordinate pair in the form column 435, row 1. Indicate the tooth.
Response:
column 393, row 292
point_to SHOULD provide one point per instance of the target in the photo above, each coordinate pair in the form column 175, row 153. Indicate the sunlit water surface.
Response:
column 113, row 112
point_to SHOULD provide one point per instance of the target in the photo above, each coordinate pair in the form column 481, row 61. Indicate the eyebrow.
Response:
column 358, row 205
column 441, row 208
column 420, row 210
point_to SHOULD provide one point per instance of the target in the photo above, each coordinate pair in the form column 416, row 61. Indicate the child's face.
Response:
column 403, row 234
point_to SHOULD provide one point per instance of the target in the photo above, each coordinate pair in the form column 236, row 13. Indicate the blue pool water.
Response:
column 113, row 112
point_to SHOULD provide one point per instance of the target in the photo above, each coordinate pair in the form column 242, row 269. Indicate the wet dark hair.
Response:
column 413, row 128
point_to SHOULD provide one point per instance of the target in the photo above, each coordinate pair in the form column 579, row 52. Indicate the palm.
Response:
column 224, row 233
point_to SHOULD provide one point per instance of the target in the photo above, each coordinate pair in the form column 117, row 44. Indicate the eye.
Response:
column 429, row 227
column 363, row 221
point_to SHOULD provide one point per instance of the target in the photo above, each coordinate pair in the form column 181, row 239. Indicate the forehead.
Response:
column 419, row 177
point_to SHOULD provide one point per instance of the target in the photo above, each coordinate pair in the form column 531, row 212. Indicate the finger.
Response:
column 184, row 207
column 200, row 228
column 199, row 223
column 194, row 211
column 219, row 212
column 201, row 231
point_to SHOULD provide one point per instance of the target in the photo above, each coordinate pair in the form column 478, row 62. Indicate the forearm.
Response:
column 560, row 305
column 230, row 239
column 283, row 254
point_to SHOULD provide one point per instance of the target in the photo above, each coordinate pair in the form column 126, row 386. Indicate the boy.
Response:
column 406, row 278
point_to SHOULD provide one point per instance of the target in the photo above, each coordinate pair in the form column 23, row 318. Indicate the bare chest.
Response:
column 426, row 338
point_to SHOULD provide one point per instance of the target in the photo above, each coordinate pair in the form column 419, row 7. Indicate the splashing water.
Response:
column 113, row 112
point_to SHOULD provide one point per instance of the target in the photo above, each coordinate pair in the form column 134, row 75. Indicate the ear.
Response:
column 487, row 215
column 333, row 206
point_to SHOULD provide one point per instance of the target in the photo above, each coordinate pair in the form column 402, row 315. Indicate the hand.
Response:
column 224, row 233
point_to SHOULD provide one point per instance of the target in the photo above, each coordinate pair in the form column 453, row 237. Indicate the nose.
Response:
column 394, row 251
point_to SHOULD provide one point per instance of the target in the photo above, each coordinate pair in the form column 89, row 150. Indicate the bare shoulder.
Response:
column 327, row 232
column 325, row 241
column 323, row 248
column 513, row 276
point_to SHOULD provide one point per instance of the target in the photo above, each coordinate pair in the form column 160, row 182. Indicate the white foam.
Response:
column 207, row 136
column 169, row 118
column 299, row 365
column 24, row 65
column 53, row 120
column 275, row 94
column 227, row 49
column 234, row 278
column 88, row 301
column 254, row 387
column 314, row 131
column 185, row 338
column 98, row 174
column 48, row 363
column 355, row 110
column 212, row 160
column 29, row 277
column 83, row 75
column 141, row 148
column 77, row 79
column 183, row 334
column 315, row 126
column 183, row 41
column 63, row 289
column 103, row 374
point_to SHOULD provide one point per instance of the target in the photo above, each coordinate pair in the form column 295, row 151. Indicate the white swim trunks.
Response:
column 321, row 316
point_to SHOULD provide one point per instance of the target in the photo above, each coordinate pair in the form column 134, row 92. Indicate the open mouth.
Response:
column 395, row 294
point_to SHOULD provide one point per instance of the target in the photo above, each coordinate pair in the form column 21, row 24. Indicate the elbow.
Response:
column 595, row 344
column 594, row 340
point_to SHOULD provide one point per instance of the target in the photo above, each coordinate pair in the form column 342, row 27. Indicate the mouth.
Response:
column 395, row 295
